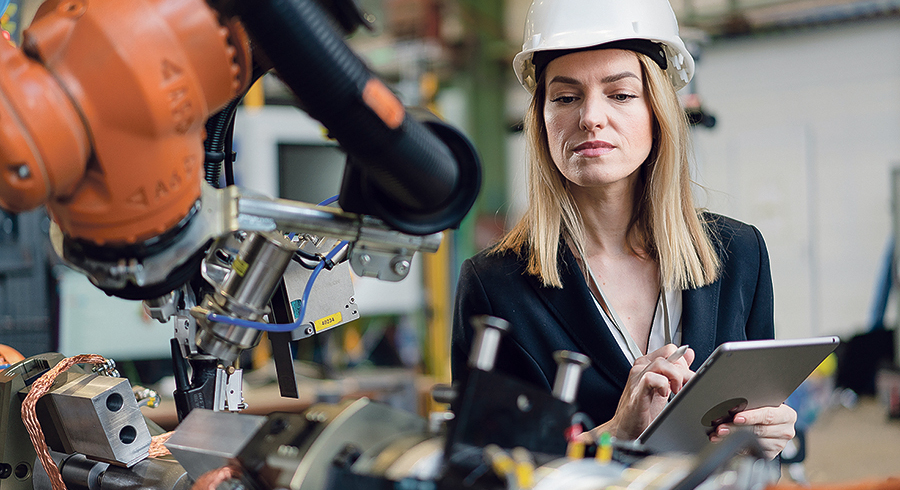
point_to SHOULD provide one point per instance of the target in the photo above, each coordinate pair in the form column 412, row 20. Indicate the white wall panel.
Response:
column 808, row 131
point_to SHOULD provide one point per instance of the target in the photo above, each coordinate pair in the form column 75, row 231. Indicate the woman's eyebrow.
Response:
column 615, row 77
column 564, row 79
column 619, row 76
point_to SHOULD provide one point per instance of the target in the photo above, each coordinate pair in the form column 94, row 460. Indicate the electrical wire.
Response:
column 29, row 416
column 283, row 327
column 302, row 261
column 29, row 413
column 157, row 447
column 213, row 478
column 328, row 201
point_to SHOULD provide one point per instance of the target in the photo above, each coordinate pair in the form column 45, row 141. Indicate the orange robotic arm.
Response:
column 102, row 113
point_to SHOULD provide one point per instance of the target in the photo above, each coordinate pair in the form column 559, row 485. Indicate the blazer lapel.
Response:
column 699, row 315
column 574, row 308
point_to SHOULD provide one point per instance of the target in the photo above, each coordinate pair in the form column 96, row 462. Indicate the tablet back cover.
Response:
column 736, row 376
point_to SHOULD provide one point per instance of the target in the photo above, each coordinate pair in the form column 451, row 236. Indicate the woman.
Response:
column 611, row 259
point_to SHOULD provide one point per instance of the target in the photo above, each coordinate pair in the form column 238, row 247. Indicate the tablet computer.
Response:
column 737, row 376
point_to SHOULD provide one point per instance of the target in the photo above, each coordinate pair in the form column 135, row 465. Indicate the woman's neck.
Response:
column 606, row 213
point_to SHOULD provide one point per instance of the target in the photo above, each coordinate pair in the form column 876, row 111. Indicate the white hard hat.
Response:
column 553, row 25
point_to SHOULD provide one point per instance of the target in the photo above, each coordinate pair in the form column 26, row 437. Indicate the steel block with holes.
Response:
column 98, row 417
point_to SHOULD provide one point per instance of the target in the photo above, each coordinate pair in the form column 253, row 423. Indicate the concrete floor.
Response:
column 850, row 445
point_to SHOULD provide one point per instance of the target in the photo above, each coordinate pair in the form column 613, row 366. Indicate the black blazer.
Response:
column 738, row 306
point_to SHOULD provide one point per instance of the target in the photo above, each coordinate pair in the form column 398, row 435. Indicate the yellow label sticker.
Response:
column 240, row 266
column 327, row 322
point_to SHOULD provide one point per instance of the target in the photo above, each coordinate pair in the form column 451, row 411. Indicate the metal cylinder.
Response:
column 260, row 263
column 488, row 332
column 444, row 393
column 570, row 365
column 246, row 291
column 81, row 473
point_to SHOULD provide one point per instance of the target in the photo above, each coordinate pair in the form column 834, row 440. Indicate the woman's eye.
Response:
column 564, row 99
column 623, row 97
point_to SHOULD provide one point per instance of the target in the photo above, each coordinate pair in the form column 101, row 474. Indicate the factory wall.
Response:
column 808, row 132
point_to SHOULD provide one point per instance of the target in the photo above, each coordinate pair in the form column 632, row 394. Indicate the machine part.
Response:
column 499, row 418
column 580, row 474
column 200, row 391
column 207, row 440
column 513, row 404
column 410, row 166
column 100, row 418
column 444, row 393
column 332, row 303
column 17, row 454
column 229, row 393
column 281, row 345
column 185, row 325
column 568, row 374
column 145, row 396
column 383, row 246
column 547, row 28
column 437, row 422
column 715, row 457
column 387, row 265
column 256, row 271
column 80, row 472
column 30, row 415
column 106, row 368
column 220, row 257
column 359, row 194
column 169, row 64
column 416, row 456
column 305, row 445
column 168, row 267
column 488, row 332
column 161, row 308
column 223, row 211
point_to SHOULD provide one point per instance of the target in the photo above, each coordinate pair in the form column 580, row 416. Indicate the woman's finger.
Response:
column 766, row 416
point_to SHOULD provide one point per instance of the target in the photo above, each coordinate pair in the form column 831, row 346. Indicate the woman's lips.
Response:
column 593, row 148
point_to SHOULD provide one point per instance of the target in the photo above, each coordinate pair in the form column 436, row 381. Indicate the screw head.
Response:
column 401, row 267
column 23, row 172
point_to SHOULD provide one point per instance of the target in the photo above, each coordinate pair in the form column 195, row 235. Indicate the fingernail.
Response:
column 723, row 431
column 740, row 419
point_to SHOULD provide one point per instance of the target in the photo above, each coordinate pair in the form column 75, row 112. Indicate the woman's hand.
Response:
column 650, row 381
column 774, row 426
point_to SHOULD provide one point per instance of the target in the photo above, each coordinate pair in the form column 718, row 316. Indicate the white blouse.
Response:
column 667, row 314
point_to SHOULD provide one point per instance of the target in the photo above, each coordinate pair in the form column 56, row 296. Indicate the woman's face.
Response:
column 599, row 121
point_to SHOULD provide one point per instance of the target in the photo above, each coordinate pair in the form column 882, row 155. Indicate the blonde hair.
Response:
column 665, row 225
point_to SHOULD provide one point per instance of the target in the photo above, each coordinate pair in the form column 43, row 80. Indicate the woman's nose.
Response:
column 594, row 113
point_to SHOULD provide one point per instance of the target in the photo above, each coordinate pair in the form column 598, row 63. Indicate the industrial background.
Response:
column 797, row 105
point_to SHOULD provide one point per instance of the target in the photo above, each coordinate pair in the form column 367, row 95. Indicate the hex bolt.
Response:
column 365, row 258
column 570, row 365
column 488, row 332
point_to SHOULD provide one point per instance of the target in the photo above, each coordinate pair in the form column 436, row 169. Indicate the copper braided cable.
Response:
column 211, row 479
column 157, row 449
column 29, row 415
